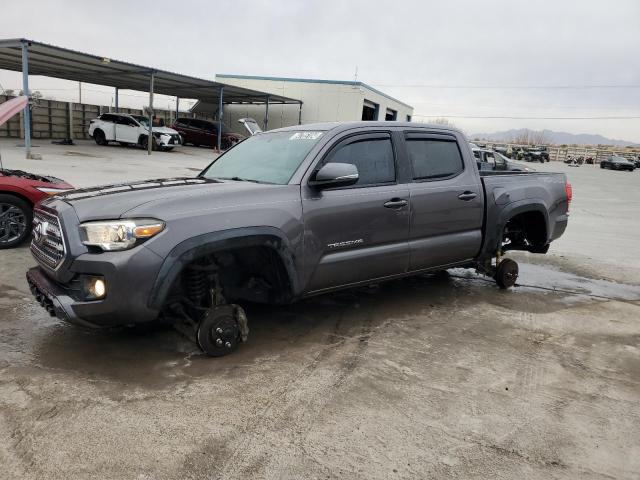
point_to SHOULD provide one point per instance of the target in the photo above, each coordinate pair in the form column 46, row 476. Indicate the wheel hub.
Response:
column 507, row 273
column 219, row 332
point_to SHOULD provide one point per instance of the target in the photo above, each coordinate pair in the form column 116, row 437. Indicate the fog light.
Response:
column 99, row 288
column 95, row 288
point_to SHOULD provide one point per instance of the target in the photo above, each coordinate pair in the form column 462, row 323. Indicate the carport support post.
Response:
column 25, row 91
column 117, row 103
column 266, row 115
column 220, row 113
column 177, row 107
column 150, row 137
column 300, row 114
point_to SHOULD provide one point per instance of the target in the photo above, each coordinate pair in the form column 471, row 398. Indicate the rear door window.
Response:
column 434, row 158
column 208, row 126
column 201, row 125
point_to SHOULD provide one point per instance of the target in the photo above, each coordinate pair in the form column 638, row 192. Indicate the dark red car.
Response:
column 19, row 192
column 203, row 132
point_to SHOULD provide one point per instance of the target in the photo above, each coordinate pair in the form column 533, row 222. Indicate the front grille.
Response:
column 47, row 245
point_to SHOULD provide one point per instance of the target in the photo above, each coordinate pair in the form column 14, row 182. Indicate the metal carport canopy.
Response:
column 36, row 58
column 58, row 62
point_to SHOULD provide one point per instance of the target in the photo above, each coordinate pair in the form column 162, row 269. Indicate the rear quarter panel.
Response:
column 511, row 193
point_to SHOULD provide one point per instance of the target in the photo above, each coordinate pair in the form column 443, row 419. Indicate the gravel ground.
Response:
column 431, row 377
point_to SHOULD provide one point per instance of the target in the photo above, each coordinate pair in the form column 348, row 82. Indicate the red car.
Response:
column 203, row 132
column 19, row 192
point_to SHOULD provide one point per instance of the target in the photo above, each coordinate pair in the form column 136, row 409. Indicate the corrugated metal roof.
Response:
column 58, row 62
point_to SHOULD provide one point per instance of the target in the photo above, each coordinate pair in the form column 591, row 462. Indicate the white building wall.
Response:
column 384, row 103
column 322, row 102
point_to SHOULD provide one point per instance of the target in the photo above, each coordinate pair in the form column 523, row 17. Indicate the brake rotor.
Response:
column 507, row 273
column 219, row 332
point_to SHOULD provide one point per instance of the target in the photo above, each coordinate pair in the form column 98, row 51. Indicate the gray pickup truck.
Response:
column 281, row 216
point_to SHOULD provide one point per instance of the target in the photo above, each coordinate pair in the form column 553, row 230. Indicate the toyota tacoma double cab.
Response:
column 281, row 216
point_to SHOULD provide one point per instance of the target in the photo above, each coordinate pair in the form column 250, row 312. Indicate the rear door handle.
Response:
column 466, row 196
column 396, row 203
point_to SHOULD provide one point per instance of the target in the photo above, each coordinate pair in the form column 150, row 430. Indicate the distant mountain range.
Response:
column 549, row 136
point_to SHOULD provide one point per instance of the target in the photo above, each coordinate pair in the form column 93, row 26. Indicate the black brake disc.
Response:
column 219, row 332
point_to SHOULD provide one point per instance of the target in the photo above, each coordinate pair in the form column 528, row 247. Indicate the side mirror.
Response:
column 335, row 175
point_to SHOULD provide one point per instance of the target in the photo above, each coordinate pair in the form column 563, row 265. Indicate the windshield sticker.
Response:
column 306, row 136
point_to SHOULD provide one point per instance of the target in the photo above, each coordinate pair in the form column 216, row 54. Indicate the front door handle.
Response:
column 466, row 196
column 396, row 203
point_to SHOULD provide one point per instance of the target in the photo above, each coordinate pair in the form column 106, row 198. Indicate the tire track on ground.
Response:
column 301, row 400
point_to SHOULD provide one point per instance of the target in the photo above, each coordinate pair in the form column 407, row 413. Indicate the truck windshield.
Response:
column 264, row 158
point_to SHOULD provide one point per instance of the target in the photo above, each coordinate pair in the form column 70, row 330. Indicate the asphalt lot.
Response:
column 431, row 377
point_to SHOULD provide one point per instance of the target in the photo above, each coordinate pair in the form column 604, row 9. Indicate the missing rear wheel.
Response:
column 506, row 273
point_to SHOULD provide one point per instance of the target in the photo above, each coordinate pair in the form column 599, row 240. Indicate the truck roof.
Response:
column 339, row 126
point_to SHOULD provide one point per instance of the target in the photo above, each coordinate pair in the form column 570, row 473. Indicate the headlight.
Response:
column 119, row 234
column 52, row 191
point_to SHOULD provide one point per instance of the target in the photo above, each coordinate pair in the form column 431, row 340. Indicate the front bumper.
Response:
column 129, row 276
column 168, row 140
column 53, row 298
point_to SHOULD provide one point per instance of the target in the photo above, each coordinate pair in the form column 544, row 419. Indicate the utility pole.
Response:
column 25, row 90
column 150, row 134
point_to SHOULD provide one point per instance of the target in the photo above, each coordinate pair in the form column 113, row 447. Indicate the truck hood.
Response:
column 162, row 198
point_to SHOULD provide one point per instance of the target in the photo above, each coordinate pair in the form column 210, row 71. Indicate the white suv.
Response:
column 133, row 130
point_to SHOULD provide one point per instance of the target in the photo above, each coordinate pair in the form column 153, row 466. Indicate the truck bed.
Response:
column 508, row 193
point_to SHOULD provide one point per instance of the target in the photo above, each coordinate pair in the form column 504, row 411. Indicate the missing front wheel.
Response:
column 222, row 329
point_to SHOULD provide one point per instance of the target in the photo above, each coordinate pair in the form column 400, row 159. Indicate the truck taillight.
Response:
column 569, row 191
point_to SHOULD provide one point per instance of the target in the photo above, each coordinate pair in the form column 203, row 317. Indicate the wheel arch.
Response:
column 18, row 194
column 28, row 215
column 500, row 219
column 193, row 248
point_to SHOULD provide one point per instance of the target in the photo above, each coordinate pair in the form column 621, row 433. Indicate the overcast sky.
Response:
column 426, row 53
